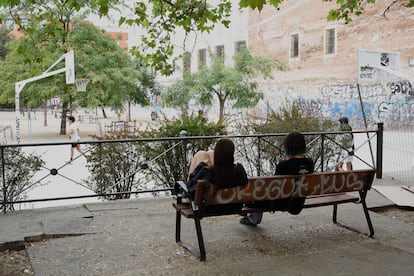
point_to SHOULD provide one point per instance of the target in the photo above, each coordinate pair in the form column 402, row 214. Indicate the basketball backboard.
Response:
column 70, row 67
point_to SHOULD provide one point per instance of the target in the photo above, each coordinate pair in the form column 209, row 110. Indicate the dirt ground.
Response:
column 14, row 262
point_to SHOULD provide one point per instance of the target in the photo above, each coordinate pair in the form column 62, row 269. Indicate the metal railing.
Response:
column 120, row 168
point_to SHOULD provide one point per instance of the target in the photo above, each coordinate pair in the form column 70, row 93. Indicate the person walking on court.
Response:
column 346, row 155
column 74, row 138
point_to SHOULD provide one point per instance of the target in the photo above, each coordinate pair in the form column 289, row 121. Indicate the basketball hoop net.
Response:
column 81, row 84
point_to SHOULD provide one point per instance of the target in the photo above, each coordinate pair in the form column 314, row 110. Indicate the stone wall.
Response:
column 327, row 84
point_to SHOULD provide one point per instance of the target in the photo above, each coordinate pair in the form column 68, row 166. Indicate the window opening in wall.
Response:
column 239, row 45
column 329, row 41
column 174, row 65
column 9, row 24
column 220, row 52
column 294, row 46
column 187, row 62
column 24, row 21
column 201, row 58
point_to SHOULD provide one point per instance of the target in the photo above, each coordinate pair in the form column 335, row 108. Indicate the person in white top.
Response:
column 74, row 138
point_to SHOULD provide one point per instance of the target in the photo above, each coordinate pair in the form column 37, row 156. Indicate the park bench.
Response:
column 320, row 189
column 87, row 119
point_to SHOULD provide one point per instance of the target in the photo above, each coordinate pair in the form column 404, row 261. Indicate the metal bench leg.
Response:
column 178, row 227
column 335, row 211
column 200, row 239
column 363, row 195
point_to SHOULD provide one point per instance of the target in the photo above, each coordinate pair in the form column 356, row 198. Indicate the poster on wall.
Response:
column 377, row 66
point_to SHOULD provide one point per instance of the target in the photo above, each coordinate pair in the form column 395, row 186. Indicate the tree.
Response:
column 115, row 77
column 43, row 25
column 160, row 19
column 146, row 85
column 236, row 83
column 131, row 165
column 113, row 73
column 166, row 156
column 114, row 168
column 4, row 38
column 14, row 68
column 291, row 119
column 19, row 169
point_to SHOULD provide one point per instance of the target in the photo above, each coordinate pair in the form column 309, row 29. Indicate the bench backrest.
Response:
column 286, row 186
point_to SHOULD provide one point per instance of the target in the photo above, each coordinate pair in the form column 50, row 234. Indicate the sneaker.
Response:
column 246, row 221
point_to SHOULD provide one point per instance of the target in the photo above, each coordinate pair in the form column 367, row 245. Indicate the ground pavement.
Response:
column 137, row 237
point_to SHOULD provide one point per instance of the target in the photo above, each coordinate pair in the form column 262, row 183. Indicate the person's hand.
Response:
column 351, row 153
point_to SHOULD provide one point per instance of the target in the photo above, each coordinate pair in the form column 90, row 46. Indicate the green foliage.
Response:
column 159, row 20
column 13, row 68
column 131, row 165
column 237, row 83
column 98, row 57
column 167, row 155
column 19, row 169
column 114, row 167
column 112, row 72
column 4, row 38
column 284, row 122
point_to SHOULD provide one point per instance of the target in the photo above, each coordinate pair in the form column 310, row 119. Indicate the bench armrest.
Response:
column 180, row 190
column 181, row 185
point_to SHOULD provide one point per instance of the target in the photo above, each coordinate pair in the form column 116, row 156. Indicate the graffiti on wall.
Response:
column 391, row 103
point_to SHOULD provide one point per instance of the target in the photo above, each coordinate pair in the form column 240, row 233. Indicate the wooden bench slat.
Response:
column 286, row 186
column 320, row 189
column 329, row 200
column 184, row 209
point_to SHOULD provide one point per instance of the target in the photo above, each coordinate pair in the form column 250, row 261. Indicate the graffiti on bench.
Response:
column 278, row 187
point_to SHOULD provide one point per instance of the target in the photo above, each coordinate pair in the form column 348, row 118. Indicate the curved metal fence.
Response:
column 35, row 175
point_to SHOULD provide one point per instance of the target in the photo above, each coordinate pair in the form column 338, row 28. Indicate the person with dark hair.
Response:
column 346, row 154
column 218, row 167
column 295, row 164
column 74, row 138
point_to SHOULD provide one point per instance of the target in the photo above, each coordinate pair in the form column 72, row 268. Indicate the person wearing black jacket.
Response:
column 295, row 164
column 218, row 167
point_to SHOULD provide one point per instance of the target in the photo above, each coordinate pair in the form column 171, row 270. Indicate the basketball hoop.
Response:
column 81, row 84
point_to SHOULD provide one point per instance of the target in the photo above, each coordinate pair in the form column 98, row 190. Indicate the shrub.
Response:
column 170, row 157
column 284, row 122
column 19, row 169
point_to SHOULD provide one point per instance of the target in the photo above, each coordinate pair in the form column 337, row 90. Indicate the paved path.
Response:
column 33, row 130
column 137, row 237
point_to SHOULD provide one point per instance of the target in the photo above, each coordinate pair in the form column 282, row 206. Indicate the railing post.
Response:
column 183, row 133
column 258, row 162
column 380, row 145
column 100, row 168
column 4, row 178
column 323, row 151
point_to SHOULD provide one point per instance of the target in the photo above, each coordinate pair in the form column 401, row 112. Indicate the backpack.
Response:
column 200, row 172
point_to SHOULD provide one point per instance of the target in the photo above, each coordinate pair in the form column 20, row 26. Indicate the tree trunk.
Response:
column 129, row 111
column 63, row 121
column 221, row 115
column 45, row 114
column 103, row 112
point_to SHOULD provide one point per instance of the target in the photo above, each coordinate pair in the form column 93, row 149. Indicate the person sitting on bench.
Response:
column 218, row 167
column 295, row 164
